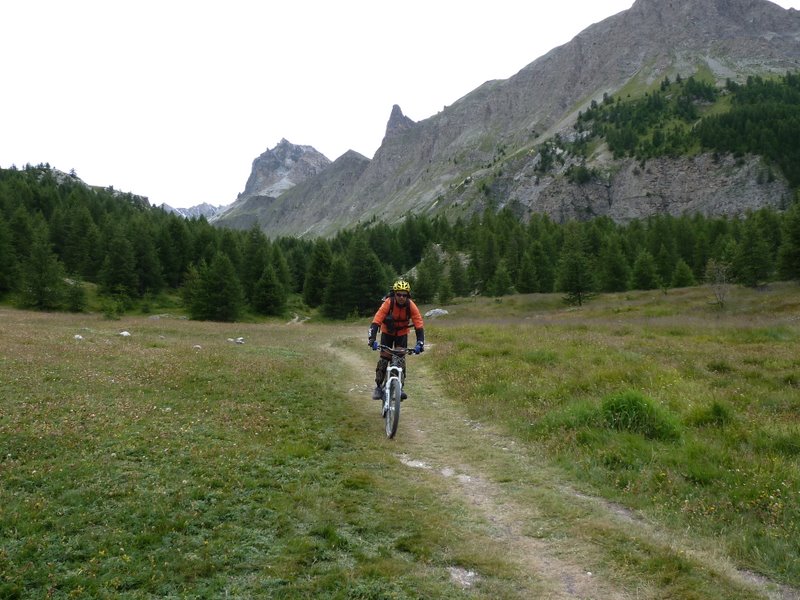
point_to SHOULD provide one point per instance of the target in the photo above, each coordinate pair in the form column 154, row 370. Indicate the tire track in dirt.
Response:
column 422, row 444
column 434, row 436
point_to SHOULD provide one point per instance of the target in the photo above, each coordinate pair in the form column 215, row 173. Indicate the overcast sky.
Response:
column 173, row 99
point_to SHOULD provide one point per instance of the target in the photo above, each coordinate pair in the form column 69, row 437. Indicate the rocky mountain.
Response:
column 200, row 210
column 282, row 168
column 273, row 173
column 318, row 202
column 489, row 139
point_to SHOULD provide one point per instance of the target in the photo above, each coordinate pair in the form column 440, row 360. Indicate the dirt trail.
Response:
column 434, row 435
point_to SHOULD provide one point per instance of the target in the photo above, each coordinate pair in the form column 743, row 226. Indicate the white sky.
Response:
column 173, row 99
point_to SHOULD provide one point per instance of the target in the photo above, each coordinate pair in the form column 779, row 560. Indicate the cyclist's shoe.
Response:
column 376, row 393
column 403, row 395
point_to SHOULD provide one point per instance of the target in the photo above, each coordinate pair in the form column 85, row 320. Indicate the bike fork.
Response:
column 392, row 374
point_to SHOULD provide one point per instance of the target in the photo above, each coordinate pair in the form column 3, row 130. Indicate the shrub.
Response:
column 76, row 297
column 715, row 415
column 633, row 412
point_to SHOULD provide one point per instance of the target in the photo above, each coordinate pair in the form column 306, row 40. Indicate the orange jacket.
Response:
column 399, row 316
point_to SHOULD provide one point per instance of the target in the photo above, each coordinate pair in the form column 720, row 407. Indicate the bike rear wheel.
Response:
column 392, row 415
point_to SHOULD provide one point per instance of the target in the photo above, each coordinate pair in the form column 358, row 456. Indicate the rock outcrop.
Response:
column 281, row 168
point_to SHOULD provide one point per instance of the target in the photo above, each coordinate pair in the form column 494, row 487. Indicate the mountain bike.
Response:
column 393, row 388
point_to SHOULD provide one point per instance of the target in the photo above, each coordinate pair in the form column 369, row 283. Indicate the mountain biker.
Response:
column 393, row 319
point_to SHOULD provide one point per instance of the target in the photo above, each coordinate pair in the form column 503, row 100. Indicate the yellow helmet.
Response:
column 401, row 285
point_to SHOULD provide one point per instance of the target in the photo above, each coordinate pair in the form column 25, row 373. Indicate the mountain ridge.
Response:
column 428, row 166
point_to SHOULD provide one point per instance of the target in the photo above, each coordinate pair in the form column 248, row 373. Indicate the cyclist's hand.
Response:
column 373, row 344
column 419, row 348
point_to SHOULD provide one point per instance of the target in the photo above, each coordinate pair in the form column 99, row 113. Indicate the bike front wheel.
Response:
column 392, row 414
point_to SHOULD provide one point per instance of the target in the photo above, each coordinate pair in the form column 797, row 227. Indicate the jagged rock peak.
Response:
column 283, row 167
column 285, row 150
column 398, row 121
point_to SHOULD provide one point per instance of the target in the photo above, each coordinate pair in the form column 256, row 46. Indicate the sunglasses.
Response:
column 402, row 295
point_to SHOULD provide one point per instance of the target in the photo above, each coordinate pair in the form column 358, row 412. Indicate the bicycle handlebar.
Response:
column 397, row 351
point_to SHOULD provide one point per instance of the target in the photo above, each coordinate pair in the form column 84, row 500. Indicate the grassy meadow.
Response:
column 176, row 463
column 663, row 403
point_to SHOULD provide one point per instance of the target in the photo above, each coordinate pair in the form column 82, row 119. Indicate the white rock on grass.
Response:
column 436, row 312
column 78, row 336
column 125, row 333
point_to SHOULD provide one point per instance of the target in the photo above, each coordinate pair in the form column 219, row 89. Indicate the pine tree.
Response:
column 191, row 291
column 8, row 259
column 21, row 229
column 42, row 273
column 317, row 273
column 205, row 244
column 333, row 305
column 682, row 275
column 543, row 253
column 231, row 243
column 297, row 257
column 364, row 283
column 75, row 296
column 220, row 297
column 789, row 252
column 489, row 258
column 149, row 273
column 644, row 275
column 665, row 262
column 429, row 275
column 415, row 234
column 700, row 254
column 282, row 271
column 175, row 253
column 528, row 277
column 80, row 236
column 118, row 275
column 574, row 275
column 614, row 272
column 255, row 257
column 752, row 264
column 269, row 295
column 457, row 276
column 445, row 292
column 500, row 283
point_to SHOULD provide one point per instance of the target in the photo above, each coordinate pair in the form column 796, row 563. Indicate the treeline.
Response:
column 56, row 234
column 763, row 117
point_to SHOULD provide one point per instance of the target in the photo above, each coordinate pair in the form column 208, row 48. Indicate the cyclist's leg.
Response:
column 380, row 371
column 383, row 361
column 401, row 341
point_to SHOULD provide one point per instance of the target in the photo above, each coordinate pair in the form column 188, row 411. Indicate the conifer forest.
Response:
column 60, row 238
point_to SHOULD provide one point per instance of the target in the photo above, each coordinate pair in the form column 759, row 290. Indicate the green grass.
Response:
column 659, row 402
column 174, row 463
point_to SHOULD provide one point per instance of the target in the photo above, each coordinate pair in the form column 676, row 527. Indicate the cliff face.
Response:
column 702, row 184
column 281, row 168
column 432, row 165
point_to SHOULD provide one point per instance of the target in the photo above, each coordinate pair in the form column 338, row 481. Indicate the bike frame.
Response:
column 393, row 388
column 394, row 372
